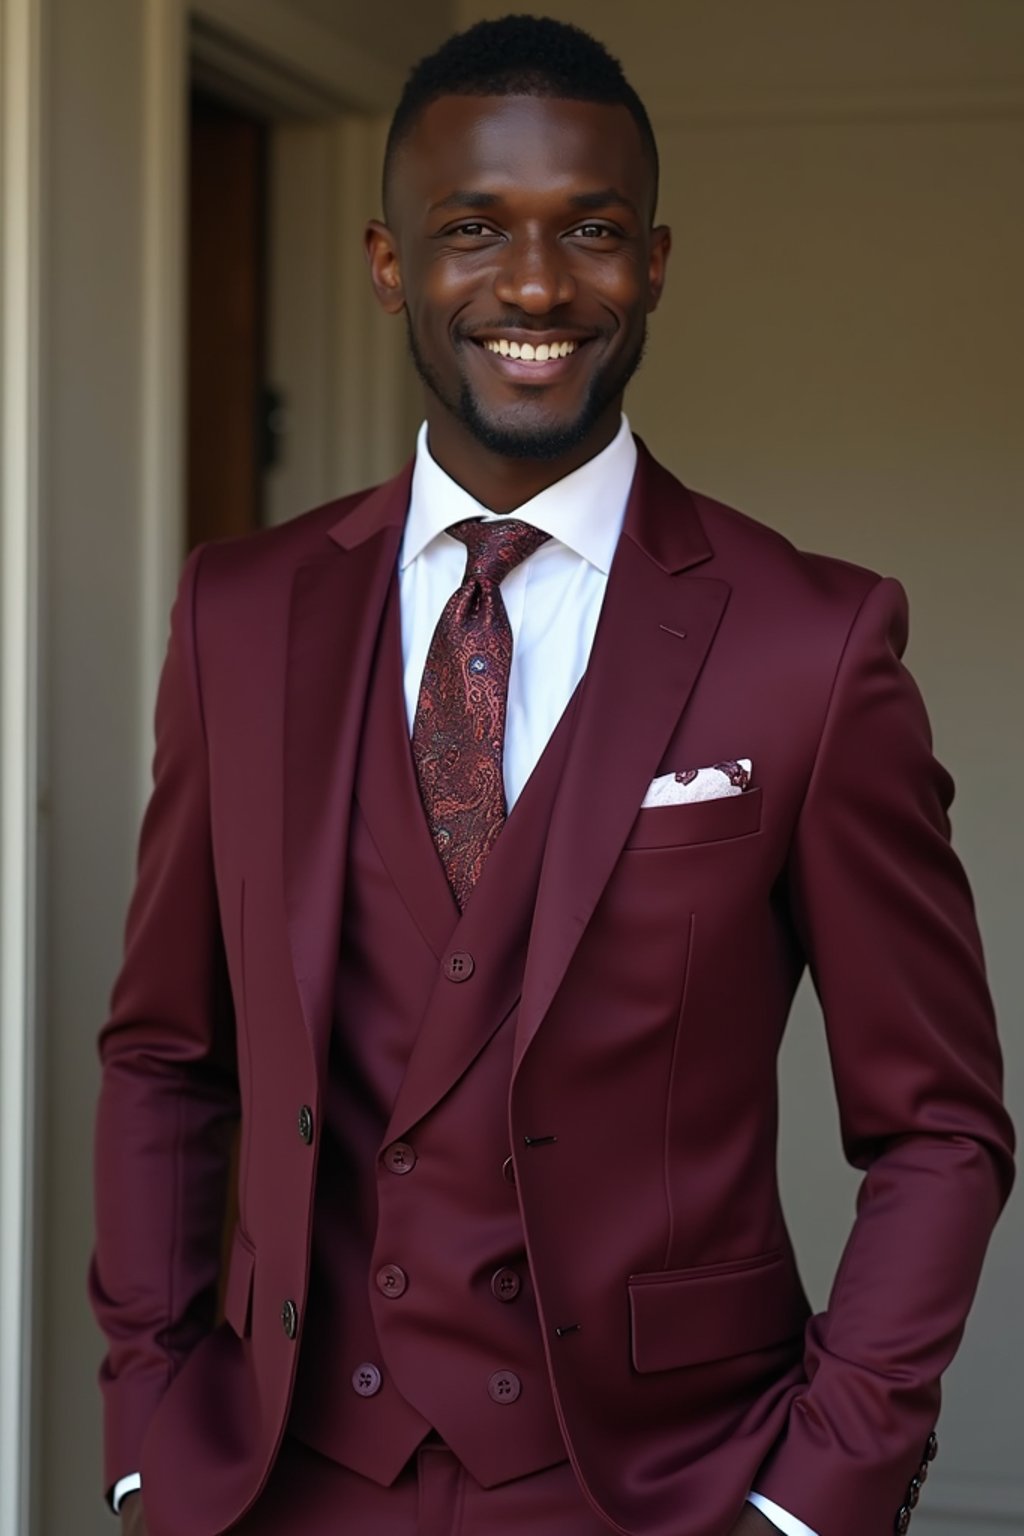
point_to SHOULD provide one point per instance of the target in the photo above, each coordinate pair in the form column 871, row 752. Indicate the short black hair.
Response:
column 518, row 56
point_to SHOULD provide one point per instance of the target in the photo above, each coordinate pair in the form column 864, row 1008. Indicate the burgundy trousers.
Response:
column 307, row 1495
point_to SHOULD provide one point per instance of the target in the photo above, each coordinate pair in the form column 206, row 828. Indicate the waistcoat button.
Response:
column 505, row 1284
column 290, row 1319
column 459, row 965
column 504, row 1386
column 931, row 1449
column 391, row 1280
column 399, row 1157
column 366, row 1379
column 902, row 1521
column 306, row 1124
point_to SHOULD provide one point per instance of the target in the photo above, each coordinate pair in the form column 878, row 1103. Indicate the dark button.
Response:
column 931, row 1449
column 902, row 1521
column 366, row 1379
column 508, row 1171
column 504, row 1386
column 306, row 1124
column 914, row 1492
column 922, row 1472
column 400, row 1157
column 459, row 965
column 391, row 1280
column 290, row 1319
column 505, row 1284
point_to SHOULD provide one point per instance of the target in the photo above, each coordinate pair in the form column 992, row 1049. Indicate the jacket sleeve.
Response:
column 168, row 1098
column 886, row 918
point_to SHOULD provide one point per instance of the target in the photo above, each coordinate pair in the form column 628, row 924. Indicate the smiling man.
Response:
column 497, row 812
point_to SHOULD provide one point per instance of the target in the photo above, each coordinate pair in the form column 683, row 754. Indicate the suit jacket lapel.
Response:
column 656, row 626
column 337, row 600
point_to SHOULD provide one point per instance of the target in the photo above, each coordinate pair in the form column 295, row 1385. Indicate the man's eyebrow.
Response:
column 607, row 197
column 466, row 200
column 604, row 197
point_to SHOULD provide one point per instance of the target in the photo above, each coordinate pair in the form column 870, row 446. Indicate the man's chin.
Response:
column 526, row 434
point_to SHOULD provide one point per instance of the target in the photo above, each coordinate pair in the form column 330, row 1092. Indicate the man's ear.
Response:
column 661, row 245
column 385, row 272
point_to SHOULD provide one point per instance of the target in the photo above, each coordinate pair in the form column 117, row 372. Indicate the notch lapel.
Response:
column 657, row 624
column 337, row 600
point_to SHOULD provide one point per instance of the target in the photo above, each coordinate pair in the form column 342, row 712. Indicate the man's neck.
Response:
column 501, row 483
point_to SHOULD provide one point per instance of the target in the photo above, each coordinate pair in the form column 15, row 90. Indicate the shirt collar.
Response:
column 584, row 510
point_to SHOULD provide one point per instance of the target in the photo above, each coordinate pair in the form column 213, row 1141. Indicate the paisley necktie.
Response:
column 458, row 735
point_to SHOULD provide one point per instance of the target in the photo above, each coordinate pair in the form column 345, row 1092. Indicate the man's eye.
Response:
column 472, row 229
column 592, row 231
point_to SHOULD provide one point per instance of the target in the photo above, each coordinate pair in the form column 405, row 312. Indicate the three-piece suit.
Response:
column 507, row 1177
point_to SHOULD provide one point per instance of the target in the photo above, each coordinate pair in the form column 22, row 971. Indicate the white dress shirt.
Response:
column 553, row 600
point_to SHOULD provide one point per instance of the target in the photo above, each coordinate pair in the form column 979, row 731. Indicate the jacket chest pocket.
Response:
column 702, row 821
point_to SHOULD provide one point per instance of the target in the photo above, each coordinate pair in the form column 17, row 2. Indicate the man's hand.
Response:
column 132, row 1519
column 753, row 1523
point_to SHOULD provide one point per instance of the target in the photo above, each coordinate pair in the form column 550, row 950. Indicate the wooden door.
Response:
column 226, row 319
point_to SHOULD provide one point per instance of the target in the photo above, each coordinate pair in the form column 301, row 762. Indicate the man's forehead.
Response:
column 503, row 139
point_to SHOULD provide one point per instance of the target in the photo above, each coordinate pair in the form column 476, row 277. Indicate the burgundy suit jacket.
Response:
column 654, row 1221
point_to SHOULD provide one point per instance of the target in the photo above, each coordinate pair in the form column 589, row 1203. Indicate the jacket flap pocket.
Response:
column 238, row 1290
column 700, row 821
column 691, row 1316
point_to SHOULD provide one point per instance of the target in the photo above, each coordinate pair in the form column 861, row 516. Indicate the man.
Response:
column 497, row 811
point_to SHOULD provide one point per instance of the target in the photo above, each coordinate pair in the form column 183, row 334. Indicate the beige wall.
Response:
column 839, row 355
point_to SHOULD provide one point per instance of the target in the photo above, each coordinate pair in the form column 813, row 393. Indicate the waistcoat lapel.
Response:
column 337, row 601
column 465, row 1010
column 657, row 623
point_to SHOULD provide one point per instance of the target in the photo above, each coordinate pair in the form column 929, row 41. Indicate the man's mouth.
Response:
column 527, row 352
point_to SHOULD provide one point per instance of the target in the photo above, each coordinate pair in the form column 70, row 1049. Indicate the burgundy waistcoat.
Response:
column 420, row 1313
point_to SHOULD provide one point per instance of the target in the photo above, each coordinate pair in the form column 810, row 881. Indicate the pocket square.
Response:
column 692, row 784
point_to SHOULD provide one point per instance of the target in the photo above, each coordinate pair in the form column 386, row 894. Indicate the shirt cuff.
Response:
column 123, row 1487
column 788, row 1524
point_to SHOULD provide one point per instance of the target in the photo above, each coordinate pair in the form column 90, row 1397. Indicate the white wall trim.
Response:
column 162, row 510
column 21, row 82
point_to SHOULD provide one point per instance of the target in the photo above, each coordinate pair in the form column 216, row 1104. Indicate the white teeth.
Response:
column 526, row 352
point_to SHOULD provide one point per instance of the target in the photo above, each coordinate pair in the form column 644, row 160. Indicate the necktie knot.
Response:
column 495, row 548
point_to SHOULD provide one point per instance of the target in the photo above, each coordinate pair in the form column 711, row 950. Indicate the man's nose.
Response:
column 534, row 277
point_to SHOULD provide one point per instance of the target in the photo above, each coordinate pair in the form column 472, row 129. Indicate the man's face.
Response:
column 520, row 246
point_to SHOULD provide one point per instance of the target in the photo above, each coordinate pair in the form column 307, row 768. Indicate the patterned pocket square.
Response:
column 693, row 784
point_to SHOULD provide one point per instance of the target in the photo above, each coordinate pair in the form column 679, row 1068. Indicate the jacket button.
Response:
column 505, row 1284
column 914, row 1492
column 306, row 1124
column 504, row 1386
column 400, row 1157
column 391, row 1280
column 902, row 1521
column 922, row 1472
column 366, row 1379
column 290, row 1319
column 508, row 1171
column 459, row 965
column 931, row 1449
